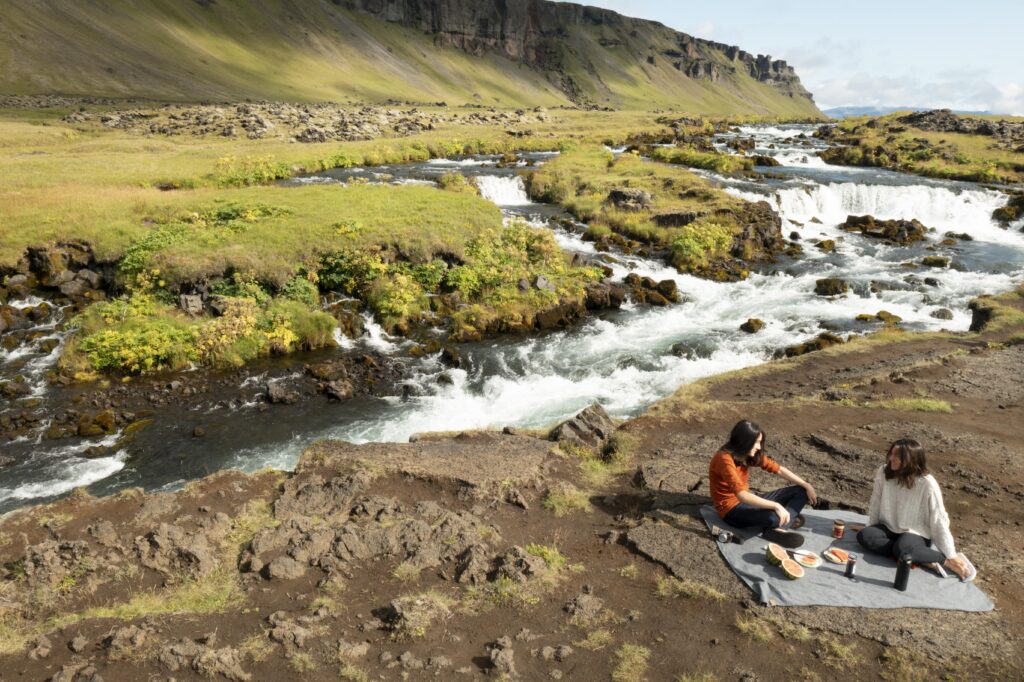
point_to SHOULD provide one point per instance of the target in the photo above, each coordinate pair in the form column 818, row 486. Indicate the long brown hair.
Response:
column 742, row 440
column 912, row 462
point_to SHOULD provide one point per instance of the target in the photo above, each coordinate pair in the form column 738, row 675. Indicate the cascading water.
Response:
column 630, row 358
column 504, row 191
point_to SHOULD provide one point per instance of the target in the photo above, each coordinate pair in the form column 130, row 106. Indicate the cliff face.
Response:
column 536, row 32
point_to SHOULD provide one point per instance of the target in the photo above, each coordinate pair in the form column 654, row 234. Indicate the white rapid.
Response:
column 505, row 191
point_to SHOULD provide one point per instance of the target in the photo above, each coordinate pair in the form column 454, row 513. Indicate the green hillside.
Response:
column 180, row 50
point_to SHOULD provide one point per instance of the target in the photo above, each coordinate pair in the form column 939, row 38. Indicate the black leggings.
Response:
column 880, row 540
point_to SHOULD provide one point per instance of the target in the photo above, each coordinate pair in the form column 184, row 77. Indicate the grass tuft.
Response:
column 632, row 663
column 690, row 589
column 754, row 628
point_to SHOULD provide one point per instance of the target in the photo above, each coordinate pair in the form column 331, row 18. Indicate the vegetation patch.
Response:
column 754, row 628
column 672, row 587
column 567, row 499
column 628, row 201
column 887, row 142
column 631, row 663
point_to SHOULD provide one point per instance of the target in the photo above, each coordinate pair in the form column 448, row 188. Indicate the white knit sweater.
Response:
column 916, row 510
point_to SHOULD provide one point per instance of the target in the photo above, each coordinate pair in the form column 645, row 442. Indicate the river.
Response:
column 625, row 360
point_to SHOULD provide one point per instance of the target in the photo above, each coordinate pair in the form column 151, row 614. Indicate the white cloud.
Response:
column 965, row 90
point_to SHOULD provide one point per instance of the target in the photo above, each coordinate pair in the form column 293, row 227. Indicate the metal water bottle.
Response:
column 902, row 573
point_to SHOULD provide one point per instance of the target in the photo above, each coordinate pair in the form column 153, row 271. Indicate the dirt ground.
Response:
column 447, row 558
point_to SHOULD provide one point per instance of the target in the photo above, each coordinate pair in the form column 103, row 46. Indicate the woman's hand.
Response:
column 812, row 496
column 783, row 515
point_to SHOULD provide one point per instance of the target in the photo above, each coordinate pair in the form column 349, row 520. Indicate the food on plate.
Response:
column 807, row 559
column 836, row 555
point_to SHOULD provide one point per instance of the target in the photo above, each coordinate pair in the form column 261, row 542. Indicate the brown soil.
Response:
column 351, row 515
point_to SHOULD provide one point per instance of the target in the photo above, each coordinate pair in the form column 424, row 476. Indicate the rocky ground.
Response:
column 519, row 556
column 299, row 122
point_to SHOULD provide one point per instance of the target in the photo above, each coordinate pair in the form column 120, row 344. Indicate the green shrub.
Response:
column 139, row 349
column 700, row 242
column 234, row 172
column 302, row 290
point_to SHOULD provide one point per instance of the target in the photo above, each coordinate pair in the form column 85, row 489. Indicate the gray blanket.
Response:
column 826, row 585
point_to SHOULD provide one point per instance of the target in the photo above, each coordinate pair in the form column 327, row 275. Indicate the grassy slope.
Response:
column 275, row 49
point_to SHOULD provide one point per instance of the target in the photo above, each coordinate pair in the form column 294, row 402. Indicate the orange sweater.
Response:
column 728, row 480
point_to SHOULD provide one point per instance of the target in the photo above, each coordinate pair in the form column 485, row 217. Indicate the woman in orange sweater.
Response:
column 777, row 513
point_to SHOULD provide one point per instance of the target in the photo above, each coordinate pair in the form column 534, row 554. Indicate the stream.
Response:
column 626, row 360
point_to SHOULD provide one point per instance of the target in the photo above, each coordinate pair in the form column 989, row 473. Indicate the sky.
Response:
column 935, row 54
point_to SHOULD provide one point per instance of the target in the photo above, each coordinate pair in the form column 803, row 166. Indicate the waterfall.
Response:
column 503, row 190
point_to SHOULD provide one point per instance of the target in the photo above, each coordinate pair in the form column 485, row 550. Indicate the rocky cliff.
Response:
column 538, row 33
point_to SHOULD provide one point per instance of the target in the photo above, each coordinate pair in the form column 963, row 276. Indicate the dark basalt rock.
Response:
column 630, row 199
column 903, row 232
column 831, row 286
column 824, row 340
column 752, row 326
column 591, row 427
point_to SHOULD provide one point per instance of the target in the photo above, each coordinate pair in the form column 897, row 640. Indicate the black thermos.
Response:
column 902, row 573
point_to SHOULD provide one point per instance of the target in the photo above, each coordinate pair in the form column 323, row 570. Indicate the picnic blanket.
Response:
column 826, row 584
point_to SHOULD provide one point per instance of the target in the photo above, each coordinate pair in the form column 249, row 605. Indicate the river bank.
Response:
column 490, row 553
column 625, row 356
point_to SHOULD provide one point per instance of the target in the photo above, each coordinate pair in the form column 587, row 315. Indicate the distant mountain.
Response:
column 500, row 52
column 847, row 112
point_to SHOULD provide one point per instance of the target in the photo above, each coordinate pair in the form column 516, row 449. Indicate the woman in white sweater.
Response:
column 906, row 515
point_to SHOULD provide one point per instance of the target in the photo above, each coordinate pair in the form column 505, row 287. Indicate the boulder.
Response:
column 822, row 341
column 519, row 566
column 935, row 261
column 831, row 286
column 630, row 199
column 590, row 427
column 752, row 326
column 902, row 232
column 341, row 389
column 191, row 304
column 544, row 284
column 279, row 395
column 284, row 568
column 942, row 314
column 584, row 607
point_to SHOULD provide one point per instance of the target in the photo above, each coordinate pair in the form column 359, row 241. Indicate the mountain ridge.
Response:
column 496, row 52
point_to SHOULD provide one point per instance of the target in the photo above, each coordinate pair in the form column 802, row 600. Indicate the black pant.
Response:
column 793, row 498
column 880, row 540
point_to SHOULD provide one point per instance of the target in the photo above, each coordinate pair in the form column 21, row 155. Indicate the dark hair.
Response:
column 742, row 439
column 912, row 462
